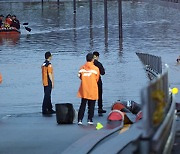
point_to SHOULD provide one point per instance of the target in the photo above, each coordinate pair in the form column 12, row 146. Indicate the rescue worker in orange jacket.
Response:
column 48, row 83
column 88, row 90
column 8, row 21
column 0, row 78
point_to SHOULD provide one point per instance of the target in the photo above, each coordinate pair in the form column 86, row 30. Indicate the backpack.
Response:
column 65, row 113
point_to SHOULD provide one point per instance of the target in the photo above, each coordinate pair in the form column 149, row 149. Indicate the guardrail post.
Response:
column 74, row 5
column 120, row 19
column 105, row 21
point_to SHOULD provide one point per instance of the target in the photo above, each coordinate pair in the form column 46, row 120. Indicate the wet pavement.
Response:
column 34, row 133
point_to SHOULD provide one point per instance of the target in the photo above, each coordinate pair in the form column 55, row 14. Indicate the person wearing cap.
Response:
column 100, row 89
column 48, row 83
column 8, row 21
column 1, row 20
column 15, row 22
column 88, row 90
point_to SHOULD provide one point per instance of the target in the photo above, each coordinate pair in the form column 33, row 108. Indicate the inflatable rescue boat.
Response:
column 7, row 31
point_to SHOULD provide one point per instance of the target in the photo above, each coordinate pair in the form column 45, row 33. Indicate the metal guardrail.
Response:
column 153, row 64
column 175, row 1
column 158, row 108
column 155, row 99
column 158, row 116
column 155, row 133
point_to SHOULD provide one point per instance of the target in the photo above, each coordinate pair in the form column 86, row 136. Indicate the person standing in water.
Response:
column 48, row 83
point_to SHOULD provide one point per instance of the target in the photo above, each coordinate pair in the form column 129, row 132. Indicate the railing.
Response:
column 153, row 64
column 155, row 133
column 158, row 108
column 175, row 1
column 158, row 116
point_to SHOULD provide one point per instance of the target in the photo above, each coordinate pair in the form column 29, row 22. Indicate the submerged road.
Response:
column 147, row 27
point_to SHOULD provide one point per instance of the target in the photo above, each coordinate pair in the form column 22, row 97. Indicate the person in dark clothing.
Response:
column 1, row 20
column 15, row 22
column 48, row 83
column 100, row 89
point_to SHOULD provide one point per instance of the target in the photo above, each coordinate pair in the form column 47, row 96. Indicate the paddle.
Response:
column 27, row 28
column 26, row 23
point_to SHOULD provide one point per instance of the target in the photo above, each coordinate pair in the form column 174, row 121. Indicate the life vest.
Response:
column 46, row 69
column 8, row 21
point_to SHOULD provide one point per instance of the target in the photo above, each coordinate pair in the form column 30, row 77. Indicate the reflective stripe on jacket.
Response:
column 89, row 75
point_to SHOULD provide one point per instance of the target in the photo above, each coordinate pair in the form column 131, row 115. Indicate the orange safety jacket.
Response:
column 0, row 78
column 46, row 69
column 8, row 21
column 89, row 75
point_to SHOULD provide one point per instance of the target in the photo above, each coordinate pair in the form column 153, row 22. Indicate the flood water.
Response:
column 148, row 28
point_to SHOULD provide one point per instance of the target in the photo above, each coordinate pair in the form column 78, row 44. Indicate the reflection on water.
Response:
column 9, row 39
column 148, row 28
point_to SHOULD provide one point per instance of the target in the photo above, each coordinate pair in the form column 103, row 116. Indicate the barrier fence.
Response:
column 152, row 64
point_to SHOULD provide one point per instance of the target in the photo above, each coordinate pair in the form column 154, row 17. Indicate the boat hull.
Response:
column 9, row 36
column 7, row 31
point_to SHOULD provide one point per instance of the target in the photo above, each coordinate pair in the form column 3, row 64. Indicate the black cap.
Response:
column 13, row 15
column 47, row 55
column 1, row 15
column 96, row 53
column 8, row 15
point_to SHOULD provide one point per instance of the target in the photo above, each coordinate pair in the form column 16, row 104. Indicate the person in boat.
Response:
column 100, row 89
column 178, row 60
column 8, row 21
column 88, row 90
column 0, row 78
column 15, row 22
column 48, row 83
column 1, row 20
